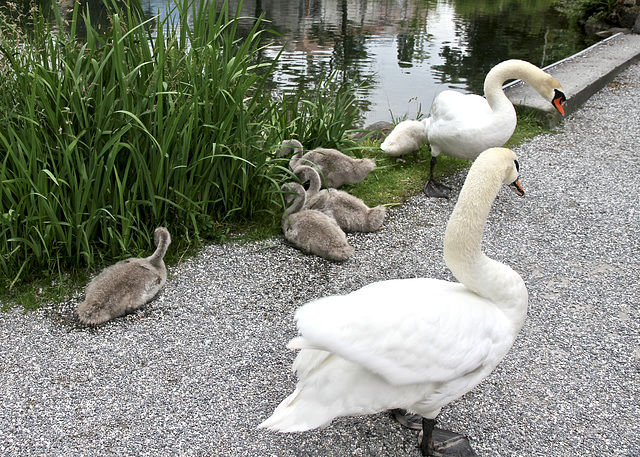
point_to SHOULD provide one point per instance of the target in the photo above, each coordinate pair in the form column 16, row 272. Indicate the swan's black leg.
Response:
column 426, row 445
column 433, row 188
column 432, row 165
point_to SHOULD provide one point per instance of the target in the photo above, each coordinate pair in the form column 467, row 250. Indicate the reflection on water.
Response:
column 411, row 49
column 408, row 49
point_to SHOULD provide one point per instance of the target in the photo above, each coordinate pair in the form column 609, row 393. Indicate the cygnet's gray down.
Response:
column 125, row 286
column 311, row 231
column 334, row 167
column 351, row 213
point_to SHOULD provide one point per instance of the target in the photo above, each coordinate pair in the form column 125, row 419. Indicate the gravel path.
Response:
column 196, row 370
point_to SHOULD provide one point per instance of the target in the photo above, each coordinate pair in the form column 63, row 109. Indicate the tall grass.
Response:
column 320, row 118
column 105, row 137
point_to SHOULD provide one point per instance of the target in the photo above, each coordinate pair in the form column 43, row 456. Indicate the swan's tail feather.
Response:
column 300, row 343
column 300, row 411
column 295, row 415
column 94, row 312
column 376, row 217
column 361, row 170
column 369, row 164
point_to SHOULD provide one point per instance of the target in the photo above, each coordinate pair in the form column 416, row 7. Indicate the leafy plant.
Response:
column 322, row 116
column 591, row 10
column 105, row 136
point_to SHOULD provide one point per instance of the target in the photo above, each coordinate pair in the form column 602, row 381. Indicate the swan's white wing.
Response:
column 408, row 331
column 464, row 125
column 454, row 106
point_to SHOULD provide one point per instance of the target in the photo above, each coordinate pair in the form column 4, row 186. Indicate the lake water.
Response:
column 408, row 50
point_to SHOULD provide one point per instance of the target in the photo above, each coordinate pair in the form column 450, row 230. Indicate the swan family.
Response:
column 418, row 343
column 405, row 344
column 350, row 213
column 315, row 219
column 335, row 168
column 312, row 231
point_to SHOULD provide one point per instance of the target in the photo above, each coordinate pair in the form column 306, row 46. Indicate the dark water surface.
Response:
column 409, row 50
column 412, row 49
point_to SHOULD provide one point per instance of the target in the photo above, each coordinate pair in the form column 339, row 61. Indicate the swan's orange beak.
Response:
column 558, row 100
column 517, row 188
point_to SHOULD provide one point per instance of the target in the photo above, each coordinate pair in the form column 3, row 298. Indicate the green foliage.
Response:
column 591, row 10
column 320, row 118
column 104, row 137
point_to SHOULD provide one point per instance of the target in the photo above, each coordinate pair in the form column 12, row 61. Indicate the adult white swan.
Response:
column 465, row 125
column 415, row 344
column 406, row 138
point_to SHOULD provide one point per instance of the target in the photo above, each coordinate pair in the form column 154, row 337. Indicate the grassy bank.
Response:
column 104, row 137
column 389, row 184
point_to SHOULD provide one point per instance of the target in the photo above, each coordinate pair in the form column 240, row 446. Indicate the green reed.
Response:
column 320, row 118
column 104, row 137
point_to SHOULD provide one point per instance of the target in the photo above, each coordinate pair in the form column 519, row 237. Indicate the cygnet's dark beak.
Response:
column 517, row 188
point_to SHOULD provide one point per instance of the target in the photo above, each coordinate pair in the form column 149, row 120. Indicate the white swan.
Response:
column 350, row 213
column 465, row 125
column 406, row 138
column 418, row 343
column 335, row 168
column 310, row 231
column 125, row 286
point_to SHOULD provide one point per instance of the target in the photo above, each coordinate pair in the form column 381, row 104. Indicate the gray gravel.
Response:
column 197, row 369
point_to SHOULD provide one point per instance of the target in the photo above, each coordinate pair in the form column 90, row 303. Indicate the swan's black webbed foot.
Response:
column 435, row 189
column 435, row 442
column 406, row 419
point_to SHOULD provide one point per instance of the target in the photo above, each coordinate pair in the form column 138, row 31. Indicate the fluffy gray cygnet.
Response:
column 125, row 286
column 311, row 231
column 351, row 213
column 334, row 167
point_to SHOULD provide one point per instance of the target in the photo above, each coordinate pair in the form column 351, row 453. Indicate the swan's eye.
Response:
column 517, row 166
column 559, row 95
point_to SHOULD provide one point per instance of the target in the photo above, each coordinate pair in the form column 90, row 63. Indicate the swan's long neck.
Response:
column 463, row 241
column 299, row 200
column 295, row 158
column 306, row 173
column 515, row 69
column 293, row 162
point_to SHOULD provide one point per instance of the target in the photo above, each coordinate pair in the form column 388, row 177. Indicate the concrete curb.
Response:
column 581, row 75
